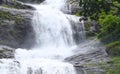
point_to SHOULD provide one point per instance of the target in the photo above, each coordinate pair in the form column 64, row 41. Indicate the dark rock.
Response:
column 15, row 4
column 83, row 19
column 92, row 28
column 20, row 5
column 32, row 1
column 6, row 52
column 15, row 27
column 78, row 28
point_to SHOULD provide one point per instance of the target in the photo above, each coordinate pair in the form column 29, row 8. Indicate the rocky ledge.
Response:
column 90, row 57
column 15, row 27
column 15, row 4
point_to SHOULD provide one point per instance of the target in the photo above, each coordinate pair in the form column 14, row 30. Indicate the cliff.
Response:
column 15, row 27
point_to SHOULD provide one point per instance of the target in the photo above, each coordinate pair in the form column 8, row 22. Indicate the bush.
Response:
column 114, row 66
column 110, row 31
column 113, row 49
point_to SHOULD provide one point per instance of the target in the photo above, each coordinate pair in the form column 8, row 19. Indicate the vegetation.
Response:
column 115, row 63
column 110, row 29
column 113, row 48
column 5, row 15
column 94, row 8
column 107, row 14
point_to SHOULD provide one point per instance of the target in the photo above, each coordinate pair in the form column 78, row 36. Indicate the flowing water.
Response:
column 54, row 42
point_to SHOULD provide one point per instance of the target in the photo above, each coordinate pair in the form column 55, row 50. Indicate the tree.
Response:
column 92, row 8
column 110, row 31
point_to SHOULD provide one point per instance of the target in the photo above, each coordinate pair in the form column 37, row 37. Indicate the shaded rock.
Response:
column 92, row 51
column 6, row 52
column 73, row 6
column 32, row 1
column 20, row 5
column 89, row 57
column 7, row 1
column 92, row 28
column 78, row 28
column 15, row 27
column 15, row 4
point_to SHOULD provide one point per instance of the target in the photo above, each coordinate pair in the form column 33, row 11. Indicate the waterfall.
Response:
column 79, row 33
column 52, row 28
column 54, row 42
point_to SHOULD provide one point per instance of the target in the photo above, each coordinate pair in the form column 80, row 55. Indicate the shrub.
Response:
column 110, row 31
column 113, row 48
column 114, row 67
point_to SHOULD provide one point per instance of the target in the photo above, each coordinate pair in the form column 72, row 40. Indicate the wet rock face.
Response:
column 92, row 28
column 6, row 52
column 78, row 31
column 15, row 27
column 73, row 5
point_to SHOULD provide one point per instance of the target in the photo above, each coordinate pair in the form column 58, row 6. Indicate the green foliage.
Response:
column 110, row 29
column 107, row 13
column 5, row 15
column 115, row 66
column 18, row 19
column 77, row 14
column 92, row 8
column 87, row 26
column 90, row 34
column 8, row 6
column 113, row 49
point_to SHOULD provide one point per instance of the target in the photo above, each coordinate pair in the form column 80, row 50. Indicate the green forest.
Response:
column 107, row 14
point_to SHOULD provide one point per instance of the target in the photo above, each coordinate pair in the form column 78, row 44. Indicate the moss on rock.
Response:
column 18, row 19
column 5, row 15
column 15, row 4
column 15, row 28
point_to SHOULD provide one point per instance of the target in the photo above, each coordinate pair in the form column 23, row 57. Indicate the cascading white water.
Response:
column 58, row 4
column 54, row 41
column 78, row 28
column 52, row 28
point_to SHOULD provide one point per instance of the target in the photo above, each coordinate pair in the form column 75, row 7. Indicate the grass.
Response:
column 113, row 48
